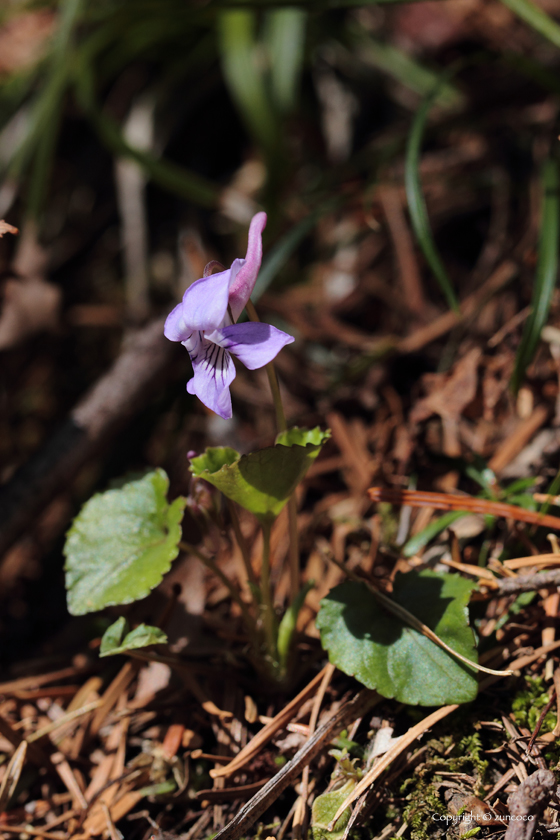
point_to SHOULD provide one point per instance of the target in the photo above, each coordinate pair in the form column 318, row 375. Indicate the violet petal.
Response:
column 205, row 302
column 254, row 344
column 242, row 285
column 175, row 328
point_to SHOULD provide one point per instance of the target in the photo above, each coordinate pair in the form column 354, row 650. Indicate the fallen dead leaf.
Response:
column 455, row 394
column 6, row 228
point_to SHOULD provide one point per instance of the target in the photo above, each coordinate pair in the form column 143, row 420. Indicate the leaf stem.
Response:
column 292, row 503
column 269, row 618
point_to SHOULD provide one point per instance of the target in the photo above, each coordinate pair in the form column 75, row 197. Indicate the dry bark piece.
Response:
column 30, row 304
column 110, row 404
column 527, row 804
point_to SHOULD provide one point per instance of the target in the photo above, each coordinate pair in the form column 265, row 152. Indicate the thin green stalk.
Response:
column 276, row 398
column 292, row 503
column 247, row 617
column 241, row 542
column 269, row 618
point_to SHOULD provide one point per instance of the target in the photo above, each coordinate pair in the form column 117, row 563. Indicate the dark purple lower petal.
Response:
column 214, row 372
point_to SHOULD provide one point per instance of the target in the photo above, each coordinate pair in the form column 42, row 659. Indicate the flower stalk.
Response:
column 282, row 426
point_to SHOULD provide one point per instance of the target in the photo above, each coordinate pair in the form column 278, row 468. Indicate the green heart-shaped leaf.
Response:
column 121, row 544
column 367, row 642
column 262, row 481
column 142, row 636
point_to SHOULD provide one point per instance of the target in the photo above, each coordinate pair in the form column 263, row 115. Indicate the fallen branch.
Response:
column 105, row 409
column 526, row 583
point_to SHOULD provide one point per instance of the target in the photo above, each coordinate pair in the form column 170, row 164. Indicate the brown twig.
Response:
column 250, row 812
column 539, row 723
column 526, row 583
column 469, row 504
column 269, row 730
column 300, row 812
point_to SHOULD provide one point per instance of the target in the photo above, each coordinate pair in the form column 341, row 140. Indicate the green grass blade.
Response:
column 536, row 18
column 408, row 71
column 285, row 38
column 416, row 203
column 245, row 78
column 552, row 491
column 418, row 541
column 545, row 277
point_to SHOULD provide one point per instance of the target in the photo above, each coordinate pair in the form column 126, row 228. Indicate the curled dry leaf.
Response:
column 6, row 228
column 459, row 389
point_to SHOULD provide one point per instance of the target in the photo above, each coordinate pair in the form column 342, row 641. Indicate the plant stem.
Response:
column 209, row 563
column 269, row 618
column 292, row 504
column 241, row 542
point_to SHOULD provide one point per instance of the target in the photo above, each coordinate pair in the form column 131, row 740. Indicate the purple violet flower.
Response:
column 204, row 322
